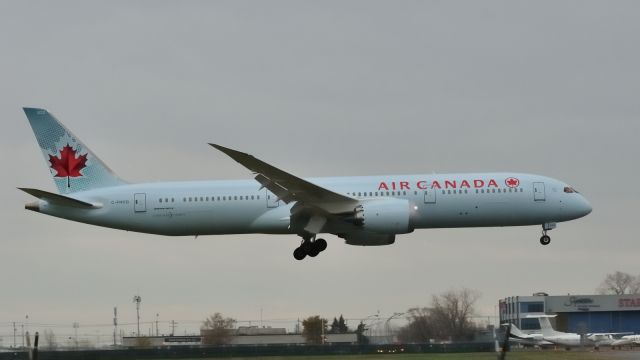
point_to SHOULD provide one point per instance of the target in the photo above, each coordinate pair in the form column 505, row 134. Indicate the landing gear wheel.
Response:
column 313, row 252
column 321, row 245
column 299, row 253
column 545, row 240
column 309, row 247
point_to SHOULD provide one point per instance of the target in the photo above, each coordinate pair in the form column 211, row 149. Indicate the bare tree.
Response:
column 448, row 318
column 49, row 339
column 634, row 288
column 419, row 329
column 452, row 313
column 619, row 283
column 217, row 330
column 312, row 329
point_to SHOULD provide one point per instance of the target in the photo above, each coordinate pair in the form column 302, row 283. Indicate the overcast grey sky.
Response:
column 320, row 89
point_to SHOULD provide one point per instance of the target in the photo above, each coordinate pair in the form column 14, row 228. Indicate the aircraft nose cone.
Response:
column 584, row 208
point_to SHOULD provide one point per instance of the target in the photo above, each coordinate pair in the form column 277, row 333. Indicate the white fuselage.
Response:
column 235, row 207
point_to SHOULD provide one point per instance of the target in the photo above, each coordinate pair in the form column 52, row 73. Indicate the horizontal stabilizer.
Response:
column 58, row 199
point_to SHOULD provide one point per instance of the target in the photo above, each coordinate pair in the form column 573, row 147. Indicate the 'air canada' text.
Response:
column 436, row 184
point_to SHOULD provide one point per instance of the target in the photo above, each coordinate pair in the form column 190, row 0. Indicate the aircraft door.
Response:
column 538, row 191
column 430, row 196
column 140, row 202
column 272, row 200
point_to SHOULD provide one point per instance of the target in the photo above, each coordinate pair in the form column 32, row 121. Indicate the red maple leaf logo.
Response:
column 512, row 182
column 69, row 163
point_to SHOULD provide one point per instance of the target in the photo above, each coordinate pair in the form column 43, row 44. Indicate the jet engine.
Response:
column 385, row 216
column 363, row 238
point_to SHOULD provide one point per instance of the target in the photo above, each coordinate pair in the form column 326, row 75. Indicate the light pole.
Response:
column 388, row 328
column 75, row 327
column 115, row 325
column 376, row 315
column 137, row 300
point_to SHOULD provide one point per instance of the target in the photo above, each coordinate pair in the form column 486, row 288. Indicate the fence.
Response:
column 179, row 352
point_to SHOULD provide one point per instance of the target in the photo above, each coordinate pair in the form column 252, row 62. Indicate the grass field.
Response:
column 516, row 355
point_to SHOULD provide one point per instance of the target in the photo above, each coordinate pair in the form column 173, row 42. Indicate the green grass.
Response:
column 516, row 355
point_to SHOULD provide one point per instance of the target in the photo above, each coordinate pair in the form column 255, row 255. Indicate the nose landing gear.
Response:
column 309, row 246
column 546, row 239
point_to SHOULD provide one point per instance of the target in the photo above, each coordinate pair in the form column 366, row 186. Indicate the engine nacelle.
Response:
column 368, row 239
column 386, row 216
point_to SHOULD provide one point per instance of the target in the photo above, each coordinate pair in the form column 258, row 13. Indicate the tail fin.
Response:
column 517, row 333
column 545, row 325
column 73, row 166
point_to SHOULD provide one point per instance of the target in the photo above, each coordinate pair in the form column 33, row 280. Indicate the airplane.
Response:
column 570, row 340
column 362, row 210
column 532, row 339
column 626, row 340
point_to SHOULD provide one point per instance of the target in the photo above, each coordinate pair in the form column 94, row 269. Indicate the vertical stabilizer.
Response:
column 73, row 166
column 545, row 326
column 517, row 333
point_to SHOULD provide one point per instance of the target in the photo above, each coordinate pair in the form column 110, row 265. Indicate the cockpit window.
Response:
column 569, row 190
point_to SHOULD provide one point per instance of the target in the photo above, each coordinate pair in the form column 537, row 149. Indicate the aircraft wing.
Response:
column 285, row 186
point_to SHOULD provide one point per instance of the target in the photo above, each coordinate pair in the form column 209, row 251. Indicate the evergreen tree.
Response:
column 342, row 325
column 360, row 330
column 335, row 326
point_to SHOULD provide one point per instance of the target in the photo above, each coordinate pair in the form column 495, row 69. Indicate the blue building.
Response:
column 575, row 313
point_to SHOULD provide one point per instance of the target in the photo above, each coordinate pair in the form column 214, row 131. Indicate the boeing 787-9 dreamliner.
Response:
column 363, row 210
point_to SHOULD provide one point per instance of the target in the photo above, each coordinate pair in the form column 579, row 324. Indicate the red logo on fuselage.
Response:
column 512, row 182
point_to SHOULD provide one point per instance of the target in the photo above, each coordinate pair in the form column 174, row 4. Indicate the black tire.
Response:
column 313, row 251
column 299, row 253
column 306, row 246
column 545, row 240
column 321, row 245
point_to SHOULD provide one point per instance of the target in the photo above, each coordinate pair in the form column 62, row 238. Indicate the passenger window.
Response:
column 235, row 198
column 251, row 197
column 172, row 199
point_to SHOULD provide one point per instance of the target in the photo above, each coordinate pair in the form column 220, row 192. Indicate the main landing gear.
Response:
column 309, row 246
column 546, row 239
